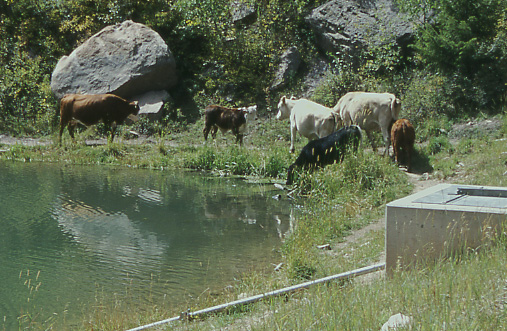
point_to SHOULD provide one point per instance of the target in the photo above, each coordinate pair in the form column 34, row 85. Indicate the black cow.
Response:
column 326, row 150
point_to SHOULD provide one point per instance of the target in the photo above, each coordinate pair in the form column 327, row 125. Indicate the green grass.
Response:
column 461, row 293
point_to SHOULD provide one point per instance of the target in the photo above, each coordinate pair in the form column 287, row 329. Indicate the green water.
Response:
column 73, row 237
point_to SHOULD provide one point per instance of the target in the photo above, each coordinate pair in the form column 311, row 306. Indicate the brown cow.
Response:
column 90, row 109
column 402, row 139
column 225, row 119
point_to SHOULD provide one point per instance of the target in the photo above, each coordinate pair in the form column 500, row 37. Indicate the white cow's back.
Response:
column 370, row 111
column 304, row 107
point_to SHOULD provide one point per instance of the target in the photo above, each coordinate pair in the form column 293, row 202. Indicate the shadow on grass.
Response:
column 420, row 162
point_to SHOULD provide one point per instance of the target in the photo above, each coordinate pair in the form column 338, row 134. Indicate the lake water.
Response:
column 74, row 237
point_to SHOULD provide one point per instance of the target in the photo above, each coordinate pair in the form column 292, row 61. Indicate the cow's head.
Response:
column 250, row 112
column 134, row 107
column 283, row 108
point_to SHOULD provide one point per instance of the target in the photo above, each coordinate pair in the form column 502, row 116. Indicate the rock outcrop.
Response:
column 151, row 104
column 127, row 59
column 288, row 67
column 346, row 26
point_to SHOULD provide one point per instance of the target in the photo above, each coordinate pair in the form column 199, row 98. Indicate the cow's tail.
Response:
column 66, row 107
column 395, row 108
column 61, row 105
column 360, row 132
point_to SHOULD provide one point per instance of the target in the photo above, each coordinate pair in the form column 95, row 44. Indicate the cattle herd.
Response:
column 331, row 132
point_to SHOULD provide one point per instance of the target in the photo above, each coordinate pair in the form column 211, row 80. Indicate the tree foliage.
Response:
column 464, row 40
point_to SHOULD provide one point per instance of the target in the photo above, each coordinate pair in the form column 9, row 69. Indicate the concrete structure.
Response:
column 442, row 220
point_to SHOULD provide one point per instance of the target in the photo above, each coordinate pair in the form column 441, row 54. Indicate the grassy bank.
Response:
column 340, row 199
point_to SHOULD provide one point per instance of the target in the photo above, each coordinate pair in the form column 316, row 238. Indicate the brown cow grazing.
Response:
column 90, row 109
column 402, row 138
column 225, row 119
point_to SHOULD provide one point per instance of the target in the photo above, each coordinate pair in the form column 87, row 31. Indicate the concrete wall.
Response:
column 421, row 232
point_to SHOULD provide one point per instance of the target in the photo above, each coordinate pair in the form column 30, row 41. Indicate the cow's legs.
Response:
column 372, row 142
column 71, row 126
column 293, row 131
column 239, row 137
column 214, row 131
column 112, row 127
column 205, row 131
column 387, row 141
column 109, row 126
column 62, row 127
column 397, row 153
column 409, row 151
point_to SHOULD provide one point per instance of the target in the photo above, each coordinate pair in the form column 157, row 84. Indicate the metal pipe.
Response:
column 255, row 298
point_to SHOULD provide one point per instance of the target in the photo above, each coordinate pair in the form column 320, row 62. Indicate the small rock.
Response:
column 280, row 187
column 151, row 103
column 325, row 247
column 396, row 321
column 278, row 266
column 135, row 134
column 424, row 176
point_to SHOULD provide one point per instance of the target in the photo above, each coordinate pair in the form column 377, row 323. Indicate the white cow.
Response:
column 371, row 112
column 312, row 120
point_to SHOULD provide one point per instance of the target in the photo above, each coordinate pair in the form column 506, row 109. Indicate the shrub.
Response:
column 438, row 144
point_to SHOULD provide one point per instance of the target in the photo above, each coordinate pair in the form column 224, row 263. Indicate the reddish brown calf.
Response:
column 402, row 139
column 90, row 109
column 225, row 119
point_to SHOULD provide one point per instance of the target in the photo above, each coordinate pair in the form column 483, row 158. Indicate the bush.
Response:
column 28, row 106
column 438, row 144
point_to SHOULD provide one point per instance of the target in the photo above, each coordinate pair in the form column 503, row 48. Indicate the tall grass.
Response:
column 464, row 294
column 236, row 160
column 343, row 197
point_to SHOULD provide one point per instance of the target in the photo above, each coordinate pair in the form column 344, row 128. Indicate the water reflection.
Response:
column 89, row 228
column 114, row 236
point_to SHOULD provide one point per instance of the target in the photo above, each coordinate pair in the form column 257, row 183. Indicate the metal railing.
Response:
column 255, row 298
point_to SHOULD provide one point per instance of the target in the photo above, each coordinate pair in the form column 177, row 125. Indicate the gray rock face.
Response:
column 151, row 103
column 345, row 26
column 289, row 64
column 126, row 59
column 242, row 13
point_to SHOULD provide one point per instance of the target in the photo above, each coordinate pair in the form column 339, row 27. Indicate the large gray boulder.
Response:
column 126, row 59
column 346, row 26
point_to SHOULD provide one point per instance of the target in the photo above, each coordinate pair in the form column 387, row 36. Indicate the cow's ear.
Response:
column 283, row 99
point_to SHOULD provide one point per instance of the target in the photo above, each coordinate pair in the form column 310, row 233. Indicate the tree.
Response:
column 461, row 41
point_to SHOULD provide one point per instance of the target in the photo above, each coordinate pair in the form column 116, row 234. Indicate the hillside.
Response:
column 444, row 60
